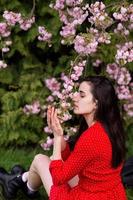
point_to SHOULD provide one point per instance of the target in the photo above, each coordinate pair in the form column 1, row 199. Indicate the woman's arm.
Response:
column 54, row 124
column 83, row 153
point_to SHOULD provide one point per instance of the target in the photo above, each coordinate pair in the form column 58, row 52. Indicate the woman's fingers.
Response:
column 49, row 116
column 55, row 124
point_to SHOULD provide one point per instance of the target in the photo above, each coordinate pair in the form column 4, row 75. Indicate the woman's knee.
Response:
column 40, row 158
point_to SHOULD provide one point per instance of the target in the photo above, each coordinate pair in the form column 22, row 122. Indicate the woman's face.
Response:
column 84, row 102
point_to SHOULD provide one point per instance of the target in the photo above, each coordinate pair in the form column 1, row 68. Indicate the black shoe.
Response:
column 9, row 190
column 17, row 169
column 18, row 182
column 23, row 186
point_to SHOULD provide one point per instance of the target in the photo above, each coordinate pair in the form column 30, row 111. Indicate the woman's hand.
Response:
column 53, row 122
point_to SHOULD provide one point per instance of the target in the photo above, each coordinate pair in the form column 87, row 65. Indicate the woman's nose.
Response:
column 75, row 96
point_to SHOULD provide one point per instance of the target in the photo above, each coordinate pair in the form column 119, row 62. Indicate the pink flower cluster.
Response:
column 120, row 74
column 12, row 18
column 97, row 63
column 4, row 30
column 52, row 84
column 99, row 17
column 77, row 70
column 123, row 84
column 73, row 2
column 125, row 14
column 84, row 45
column 47, row 130
column 67, row 31
column 72, row 15
column 60, row 4
column 64, row 91
column 6, row 45
column 124, row 53
column 128, row 107
column 121, row 30
column 87, row 43
column 32, row 109
column 100, row 36
column 2, row 64
column 123, row 92
column 97, row 7
column 71, row 130
column 43, row 34
column 26, row 24
column 47, row 144
column 49, row 141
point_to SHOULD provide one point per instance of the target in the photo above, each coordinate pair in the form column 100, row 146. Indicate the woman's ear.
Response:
column 96, row 103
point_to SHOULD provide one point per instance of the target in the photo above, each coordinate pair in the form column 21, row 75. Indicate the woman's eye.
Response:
column 82, row 96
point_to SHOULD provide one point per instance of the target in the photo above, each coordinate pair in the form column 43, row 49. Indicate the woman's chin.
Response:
column 76, row 111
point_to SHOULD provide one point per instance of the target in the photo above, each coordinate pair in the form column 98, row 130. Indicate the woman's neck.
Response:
column 89, row 119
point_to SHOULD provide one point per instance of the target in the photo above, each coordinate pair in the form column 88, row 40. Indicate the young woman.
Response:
column 92, row 169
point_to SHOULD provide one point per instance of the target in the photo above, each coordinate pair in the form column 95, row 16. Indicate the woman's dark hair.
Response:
column 108, row 114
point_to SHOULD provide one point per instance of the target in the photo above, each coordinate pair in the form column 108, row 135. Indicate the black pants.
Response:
column 127, row 173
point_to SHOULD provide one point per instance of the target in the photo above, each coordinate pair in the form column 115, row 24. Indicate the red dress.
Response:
column 91, row 160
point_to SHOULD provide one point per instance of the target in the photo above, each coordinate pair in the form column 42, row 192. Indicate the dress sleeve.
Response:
column 82, row 154
column 65, row 154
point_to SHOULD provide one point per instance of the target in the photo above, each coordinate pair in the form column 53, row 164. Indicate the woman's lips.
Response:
column 75, row 106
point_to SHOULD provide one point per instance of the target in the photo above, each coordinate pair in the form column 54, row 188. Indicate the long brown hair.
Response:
column 108, row 114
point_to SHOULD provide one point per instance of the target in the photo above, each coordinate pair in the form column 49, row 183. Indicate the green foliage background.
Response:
column 30, row 62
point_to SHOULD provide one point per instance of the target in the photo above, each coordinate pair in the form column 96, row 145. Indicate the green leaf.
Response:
column 6, row 75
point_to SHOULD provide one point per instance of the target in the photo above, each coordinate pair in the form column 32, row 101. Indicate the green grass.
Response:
column 23, row 156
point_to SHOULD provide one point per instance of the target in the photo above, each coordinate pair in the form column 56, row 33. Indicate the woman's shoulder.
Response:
column 94, row 132
column 95, row 137
column 96, row 127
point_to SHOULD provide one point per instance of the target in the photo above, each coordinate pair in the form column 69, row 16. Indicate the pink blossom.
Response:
column 11, row 17
column 97, row 63
column 68, row 30
column 96, row 7
column 63, row 17
column 84, row 47
column 66, row 116
column 52, row 84
column 32, row 109
column 50, row 98
column 78, row 15
column 4, row 30
column 123, row 76
column 121, row 29
column 59, row 5
column 43, row 34
column 124, row 53
column 112, row 70
column 25, row 24
column 5, row 49
column 128, row 107
column 122, row 15
column 101, row 20
column 73, row 2
column 47, row 145
column 2, row 64
column 77, row 70
column 47, row 130
column 123, row 92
